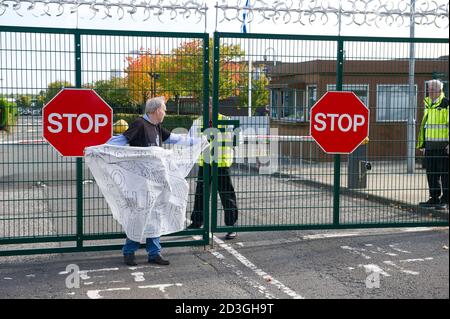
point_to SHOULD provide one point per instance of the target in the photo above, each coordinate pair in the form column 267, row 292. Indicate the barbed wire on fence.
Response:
column 350, row 12
column 187, row 9
column 357, row 12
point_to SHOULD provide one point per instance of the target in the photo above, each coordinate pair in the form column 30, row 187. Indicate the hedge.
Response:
column 170, row 121
column 8, row 114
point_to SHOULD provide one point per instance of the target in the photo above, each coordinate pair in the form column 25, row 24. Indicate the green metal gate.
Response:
column 308, row 189
column 52, row 204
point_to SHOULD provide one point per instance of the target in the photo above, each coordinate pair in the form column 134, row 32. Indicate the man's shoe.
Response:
column 158, row 260
column 430, row 202
column 129, row 260
column 443, row 205
column 230, row 235
column 194, row 226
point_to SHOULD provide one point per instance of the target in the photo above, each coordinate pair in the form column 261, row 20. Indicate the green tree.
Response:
column 260, row 94
column 23, row 101
column 144, row 76
column 115, row 92
column 53, row 89
column 40, row 99
column 185, row 70
column 180, row 73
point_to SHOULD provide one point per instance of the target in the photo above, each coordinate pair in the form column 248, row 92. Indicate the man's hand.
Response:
column 422, row 150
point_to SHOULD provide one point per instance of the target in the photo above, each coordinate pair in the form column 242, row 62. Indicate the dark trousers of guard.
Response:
column 227, row 196
column 436, row 164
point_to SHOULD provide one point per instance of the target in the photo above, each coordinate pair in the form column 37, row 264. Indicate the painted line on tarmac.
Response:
column 261, row 288
column 252, row 283
column 403, row 270
column 95, row 294
column 371, row 232
column 268, row 278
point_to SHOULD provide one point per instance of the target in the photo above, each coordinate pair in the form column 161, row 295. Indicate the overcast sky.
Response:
column 83, row 20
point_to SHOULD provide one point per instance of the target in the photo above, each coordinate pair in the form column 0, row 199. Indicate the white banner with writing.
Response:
column 145, row 187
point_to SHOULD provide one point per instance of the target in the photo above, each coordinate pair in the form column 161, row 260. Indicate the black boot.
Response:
column 129, row 260
column 431, row 202
column 158, row 260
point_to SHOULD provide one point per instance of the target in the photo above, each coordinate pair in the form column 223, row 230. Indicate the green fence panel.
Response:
column 52, row 204
column 382, row 74
column 310, row 189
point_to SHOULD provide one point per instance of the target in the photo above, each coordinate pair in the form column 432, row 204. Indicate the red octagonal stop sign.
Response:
column 75, row 119
column 339, row 122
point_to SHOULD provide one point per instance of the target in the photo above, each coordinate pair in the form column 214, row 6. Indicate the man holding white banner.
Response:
column 143, row 183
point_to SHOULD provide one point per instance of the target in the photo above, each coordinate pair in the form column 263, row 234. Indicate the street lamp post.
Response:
column 273, row 55
column 155, row 76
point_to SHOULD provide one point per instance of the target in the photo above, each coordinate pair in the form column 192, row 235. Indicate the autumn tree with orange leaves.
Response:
column 180, row 73
column 143, row 76
column 187, row 69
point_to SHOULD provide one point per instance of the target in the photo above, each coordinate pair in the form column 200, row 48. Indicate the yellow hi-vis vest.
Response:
column 434, row 126
column 223, row 147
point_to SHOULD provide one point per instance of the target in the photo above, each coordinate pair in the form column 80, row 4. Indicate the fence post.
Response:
column 337, row 158
column 79, row 161
column 206, row 167
column 215, row 116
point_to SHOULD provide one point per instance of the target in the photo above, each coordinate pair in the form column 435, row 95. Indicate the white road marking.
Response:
column 372, row 268
column 288, row 291
column 393, row 246
column 95, row 294
column 142, row 267
column 415, row 260
column 111, row 282
column 419, row 229
column 84, row 273
column 381, row 250
column 406, row 271
column 332, row 235
column 162, row 288
column 358, row 251
column 261, row 289
column 138, row 276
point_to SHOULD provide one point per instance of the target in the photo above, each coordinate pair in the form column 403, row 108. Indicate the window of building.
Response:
column 360, row 90
column 393, row 102
column 301, row 110
column 292, row 104
column 275, row 101
column 289, row 104
column 311, row 99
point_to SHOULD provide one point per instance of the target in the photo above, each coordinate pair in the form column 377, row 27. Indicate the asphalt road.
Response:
column 376, row 263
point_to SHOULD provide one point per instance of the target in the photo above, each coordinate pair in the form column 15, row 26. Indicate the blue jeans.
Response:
column 153, row 247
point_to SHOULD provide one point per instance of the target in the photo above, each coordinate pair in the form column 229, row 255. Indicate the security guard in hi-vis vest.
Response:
column 224, row 158
column 433, row 140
